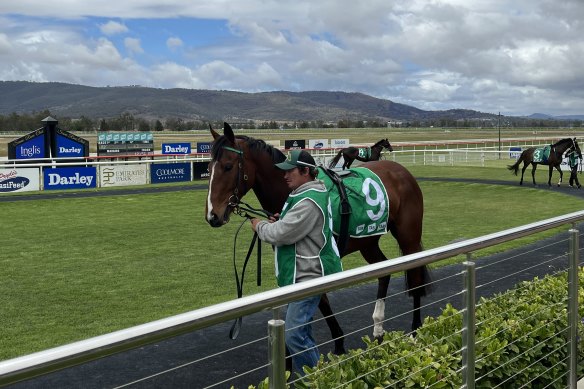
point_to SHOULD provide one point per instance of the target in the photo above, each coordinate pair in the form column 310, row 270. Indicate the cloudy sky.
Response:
column 515, row 57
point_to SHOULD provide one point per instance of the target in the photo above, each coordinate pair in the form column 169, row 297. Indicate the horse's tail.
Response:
column 515, row 167
column 334, row 161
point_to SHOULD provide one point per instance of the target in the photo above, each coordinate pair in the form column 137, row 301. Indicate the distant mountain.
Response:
column 558, row 117
column 69, row 100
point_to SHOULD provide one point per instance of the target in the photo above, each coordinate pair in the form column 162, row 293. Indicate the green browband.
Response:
column 232, row 149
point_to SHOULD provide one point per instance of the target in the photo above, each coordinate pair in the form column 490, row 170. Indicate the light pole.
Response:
column 499, row 127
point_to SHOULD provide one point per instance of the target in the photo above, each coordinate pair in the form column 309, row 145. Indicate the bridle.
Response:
column 240, row 207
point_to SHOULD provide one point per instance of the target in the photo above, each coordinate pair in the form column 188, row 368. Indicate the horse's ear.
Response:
column 228, row 132
column 213, row 132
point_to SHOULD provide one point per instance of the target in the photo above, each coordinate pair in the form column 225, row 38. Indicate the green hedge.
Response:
column 521, row 340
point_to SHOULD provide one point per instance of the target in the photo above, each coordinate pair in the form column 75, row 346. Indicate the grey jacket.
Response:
column 301, row 225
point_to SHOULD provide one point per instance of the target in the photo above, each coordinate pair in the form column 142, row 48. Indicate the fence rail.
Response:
column 43, row 362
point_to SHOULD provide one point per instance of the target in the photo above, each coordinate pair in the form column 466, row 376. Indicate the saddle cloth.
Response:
column 364, row 152
column 368, row 199
column 542, row 154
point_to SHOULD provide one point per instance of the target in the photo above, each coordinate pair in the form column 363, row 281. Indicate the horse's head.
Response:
column 229, row 178
column 385, row 144
column 238, row 164
column 577, row 148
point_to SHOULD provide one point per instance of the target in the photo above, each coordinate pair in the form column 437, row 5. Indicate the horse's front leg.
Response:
column 561, row 174
column 379, row 312
column 551, row 170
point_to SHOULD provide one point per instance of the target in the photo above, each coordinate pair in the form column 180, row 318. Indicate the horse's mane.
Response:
column 561, row 141
column 379, row 142
column 255, row 146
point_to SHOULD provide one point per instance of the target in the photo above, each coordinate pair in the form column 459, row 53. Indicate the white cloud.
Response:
column 517, row 58
column 174, row 43
column 133, row 45
column 113, row 28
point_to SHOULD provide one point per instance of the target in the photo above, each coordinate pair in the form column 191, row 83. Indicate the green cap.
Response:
column 297, row 158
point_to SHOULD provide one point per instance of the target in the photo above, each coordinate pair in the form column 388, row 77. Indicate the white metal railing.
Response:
column 32, row 365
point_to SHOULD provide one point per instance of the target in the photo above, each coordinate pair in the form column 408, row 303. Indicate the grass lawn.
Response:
column 73, row 268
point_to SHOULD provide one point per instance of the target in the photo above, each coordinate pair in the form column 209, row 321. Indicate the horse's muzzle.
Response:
column 216, row 221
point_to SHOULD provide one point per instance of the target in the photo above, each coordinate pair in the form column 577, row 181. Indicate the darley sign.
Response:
column 69, row 178
column 176, row 148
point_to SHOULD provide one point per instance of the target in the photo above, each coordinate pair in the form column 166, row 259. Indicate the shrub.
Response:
column 522, row 344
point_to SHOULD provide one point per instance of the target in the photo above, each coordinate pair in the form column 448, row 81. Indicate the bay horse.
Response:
column 240, row 163
column 363, row 154
column 533, row 156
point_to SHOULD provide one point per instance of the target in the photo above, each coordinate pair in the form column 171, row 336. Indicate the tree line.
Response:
column 127, row 122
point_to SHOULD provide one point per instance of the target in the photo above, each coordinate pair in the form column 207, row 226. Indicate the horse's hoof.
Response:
column 379, row 339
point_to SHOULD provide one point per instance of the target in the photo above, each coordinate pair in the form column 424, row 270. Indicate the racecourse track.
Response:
column 130, row 367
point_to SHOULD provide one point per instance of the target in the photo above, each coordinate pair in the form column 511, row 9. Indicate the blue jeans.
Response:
column 299, row 340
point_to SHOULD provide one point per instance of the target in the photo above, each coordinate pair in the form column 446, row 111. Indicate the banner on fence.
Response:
column 122, row 175
column 318, row 143
column 170, row 172
column 295, row 144
column 200, row 170
column 339, row 143
column 69, row 178
column 514, row 152
column 19, row 180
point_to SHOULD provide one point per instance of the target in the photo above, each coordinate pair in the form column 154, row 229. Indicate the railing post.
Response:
column 573, row 308
column 276, row 354
column 468, row 326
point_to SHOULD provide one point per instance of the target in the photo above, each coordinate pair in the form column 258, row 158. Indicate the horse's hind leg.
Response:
column 333, row 325
column 523, row 172
column 533, row 174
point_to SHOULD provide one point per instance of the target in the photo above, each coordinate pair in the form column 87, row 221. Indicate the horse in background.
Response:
column 539, row 156
column 363, row 154
column 241, row 163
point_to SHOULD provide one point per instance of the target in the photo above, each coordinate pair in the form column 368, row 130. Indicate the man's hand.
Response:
column 271, row 219
column 254, row 223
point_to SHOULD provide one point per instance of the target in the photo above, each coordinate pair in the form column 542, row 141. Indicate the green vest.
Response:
column 330, row 261
column 573, row 159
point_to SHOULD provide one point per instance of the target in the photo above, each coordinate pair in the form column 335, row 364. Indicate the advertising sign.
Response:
column 69, row 178
column 67, row 147
column 200, row 170
column 130, row 143
column 19, row 180
column 294, row 144
column 34, row 148
column 170, row 172
column 514, row 152
column 204, row 147
column 318, row 143
column 66, row 144
column 340, row 143
column 122, row 175
column 176, row 148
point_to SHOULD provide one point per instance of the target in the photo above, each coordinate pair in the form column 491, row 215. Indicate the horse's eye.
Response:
column 228, row 167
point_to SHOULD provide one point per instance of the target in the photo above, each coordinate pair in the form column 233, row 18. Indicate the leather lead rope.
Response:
column 243, row 211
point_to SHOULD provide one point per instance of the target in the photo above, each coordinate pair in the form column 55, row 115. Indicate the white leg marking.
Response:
column 209, row 205
column 378, row 317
